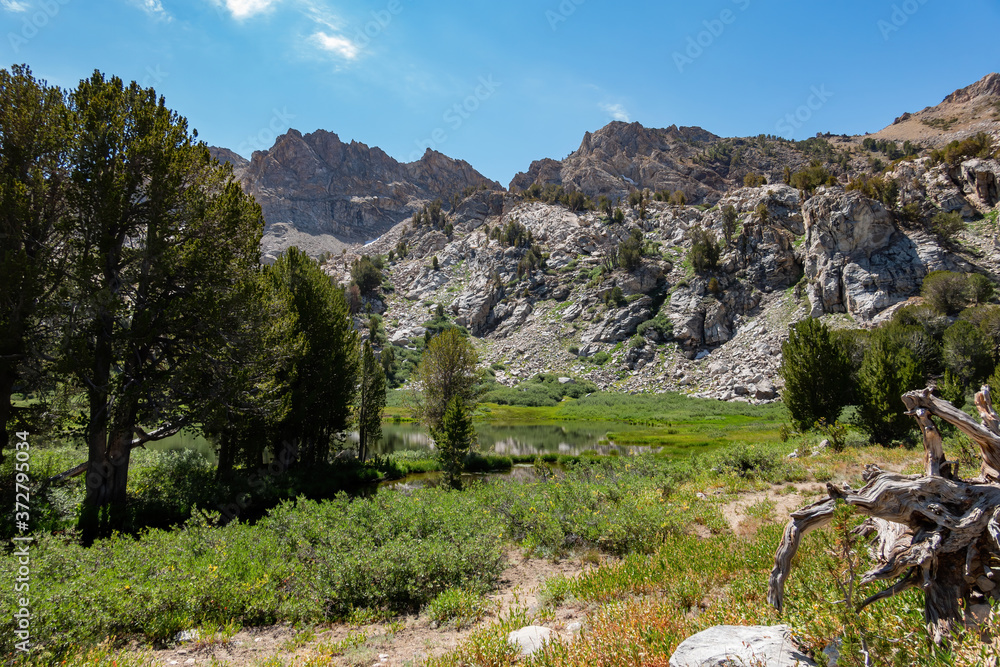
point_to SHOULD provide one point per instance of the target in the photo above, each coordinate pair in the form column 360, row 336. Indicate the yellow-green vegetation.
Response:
column 673, row 566
column 642, row 606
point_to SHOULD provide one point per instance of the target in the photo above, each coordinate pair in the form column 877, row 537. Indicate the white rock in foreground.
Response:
column 530, row 639
column 728, row 645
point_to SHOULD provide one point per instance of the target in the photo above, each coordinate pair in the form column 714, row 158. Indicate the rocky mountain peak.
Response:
column 989, row 85
column 320, row 193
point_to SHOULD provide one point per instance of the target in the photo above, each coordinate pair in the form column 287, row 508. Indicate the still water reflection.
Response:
column 556, row 438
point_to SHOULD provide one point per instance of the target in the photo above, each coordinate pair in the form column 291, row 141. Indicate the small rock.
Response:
column 577, row 626
column 529, row 639
column 985, row 584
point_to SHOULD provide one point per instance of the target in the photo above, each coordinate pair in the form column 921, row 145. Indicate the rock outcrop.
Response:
column 321, row 194
column 857, row 262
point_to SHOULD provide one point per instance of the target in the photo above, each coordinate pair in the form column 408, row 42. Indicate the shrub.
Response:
column 946, row 226
column 615, row 297
column 979, row 288
column 462, row 607
column 705, row 250
column 366, row 274
column 810, row 178
column 729, row 219
column 967, row 353
column 753, row 180
column 816, row 372
column 887, row 372
column 956, row 152
column 881, row 188
column 752, row 462
column 630, row 251
column 661, row 325
column 945, row 291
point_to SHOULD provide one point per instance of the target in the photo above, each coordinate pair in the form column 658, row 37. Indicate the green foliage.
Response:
column 979, row 288
column 366, row 274
column 752, row 180
column 447, row 371
column 810, row 178
column 967, row 354
column 555, row 194
column 890, row 149
column 513, row 234
column 729, row 221
column 542, row 390
column 306, row 562
column 630, row 250
column 753, row 462
column 881, row 188
column 455, row 605
column 661, row 325
column 323, row 365
column 816, row 372
column 946, row 292
column 431, row 215
column 705, row 250
column 434, row 263
column 980, row 145
column 887, row 372
column 163, row 243
column 370, row 401
column 454, row 440
column 35, row 139
column 615, row 297
column 947, row 225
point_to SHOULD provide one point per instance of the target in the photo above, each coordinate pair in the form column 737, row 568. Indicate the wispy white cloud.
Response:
column 14, row 6
column 336, row 44
column 152, row 7
column 244, row 9
column 616, row 111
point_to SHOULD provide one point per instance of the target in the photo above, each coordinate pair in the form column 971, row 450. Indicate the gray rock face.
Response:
column 731, row 645
column 319, row 192
column 702, row 318
column 979, row 181
column 856, row 260
column 620, row 323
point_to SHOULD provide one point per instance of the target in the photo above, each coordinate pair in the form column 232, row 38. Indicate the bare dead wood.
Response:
column 142, row 439
column 933, row 531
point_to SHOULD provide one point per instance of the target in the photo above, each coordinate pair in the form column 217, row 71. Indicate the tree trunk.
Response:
column 934, row 531
column 7, row 378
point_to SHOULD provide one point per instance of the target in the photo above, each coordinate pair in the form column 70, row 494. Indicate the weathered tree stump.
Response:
column 934, row 531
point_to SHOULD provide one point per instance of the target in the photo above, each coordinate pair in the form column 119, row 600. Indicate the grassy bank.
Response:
column 312, row 562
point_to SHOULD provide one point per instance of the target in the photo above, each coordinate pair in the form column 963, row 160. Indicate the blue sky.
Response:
column 502, row 84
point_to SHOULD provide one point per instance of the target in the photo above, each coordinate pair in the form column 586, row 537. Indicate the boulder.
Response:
column 530, row 639
column 856, row 261
column 729, row 645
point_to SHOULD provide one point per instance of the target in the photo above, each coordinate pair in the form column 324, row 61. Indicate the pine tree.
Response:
column 887, row 372
column 370, row 402
column 817, row 374
column 454, row 440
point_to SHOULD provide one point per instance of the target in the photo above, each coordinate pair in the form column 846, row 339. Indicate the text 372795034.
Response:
column 22, row 518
